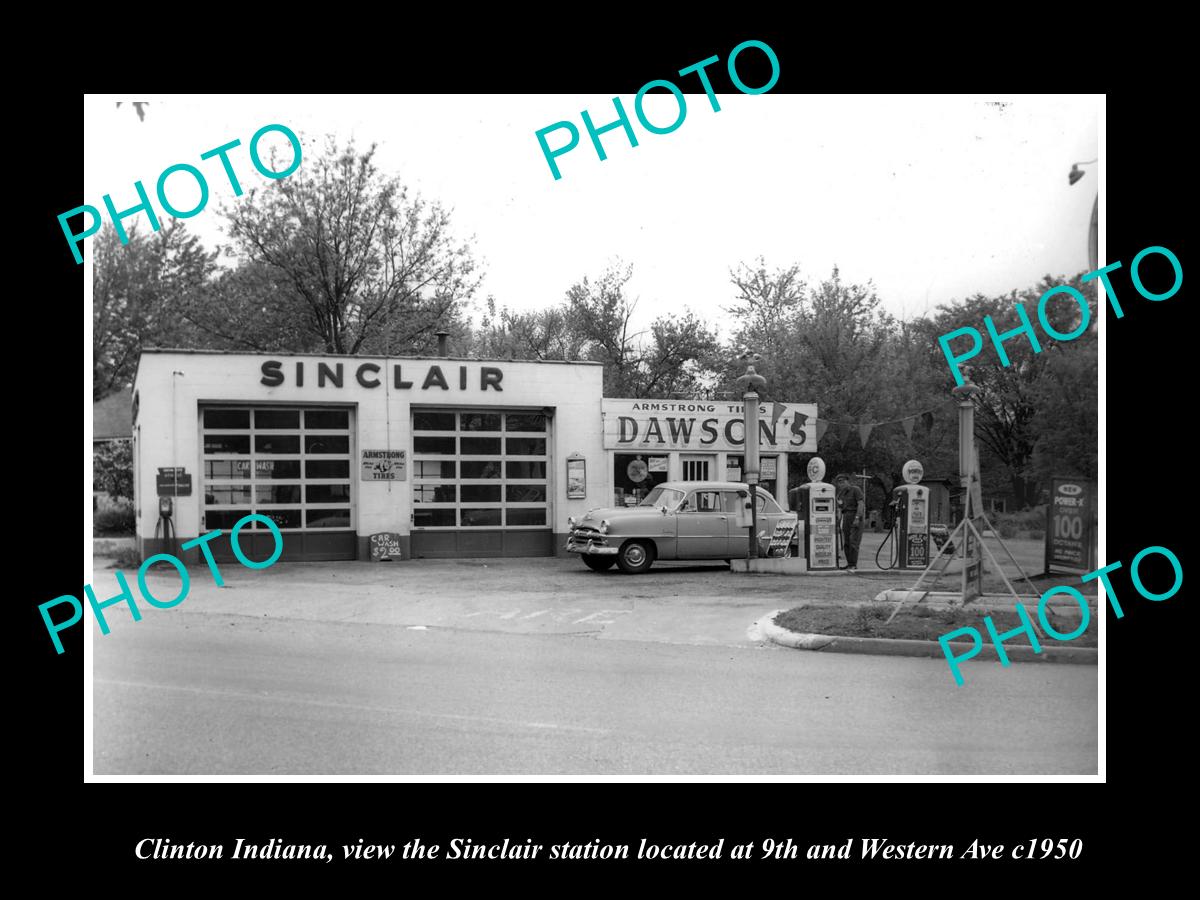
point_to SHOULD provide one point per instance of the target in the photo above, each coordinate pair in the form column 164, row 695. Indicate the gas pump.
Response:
column 815, row 504
column 910, row 520
column 165, row 527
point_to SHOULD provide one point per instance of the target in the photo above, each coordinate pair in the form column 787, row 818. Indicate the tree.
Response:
column 1016, row 408
column 341, row 258
column 676, row 358
column 139, row 292
column 675, row 355
column 112, row 468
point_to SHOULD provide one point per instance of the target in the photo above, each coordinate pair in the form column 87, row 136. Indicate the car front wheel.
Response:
column 598, row 563
column 635, row 557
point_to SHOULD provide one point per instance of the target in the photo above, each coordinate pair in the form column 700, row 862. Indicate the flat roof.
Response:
column 559, row 362
column 346, row 356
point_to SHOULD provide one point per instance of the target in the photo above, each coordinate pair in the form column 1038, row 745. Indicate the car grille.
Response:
column 583, row 534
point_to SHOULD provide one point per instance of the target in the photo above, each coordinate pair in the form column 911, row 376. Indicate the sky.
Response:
column 930, row 198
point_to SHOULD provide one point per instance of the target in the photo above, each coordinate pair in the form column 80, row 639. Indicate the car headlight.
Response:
column 604, row 526
column 570, row 523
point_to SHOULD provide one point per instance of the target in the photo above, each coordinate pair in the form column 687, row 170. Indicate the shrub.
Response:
column 126, row 558
column 114, row 521
column 1028, row 523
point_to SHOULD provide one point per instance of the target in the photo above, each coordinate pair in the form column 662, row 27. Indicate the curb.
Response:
column 908, row 647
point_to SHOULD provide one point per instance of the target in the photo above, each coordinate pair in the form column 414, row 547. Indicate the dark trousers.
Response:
column 851, row 539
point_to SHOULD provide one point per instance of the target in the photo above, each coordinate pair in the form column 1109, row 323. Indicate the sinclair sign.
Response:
column 707, row 425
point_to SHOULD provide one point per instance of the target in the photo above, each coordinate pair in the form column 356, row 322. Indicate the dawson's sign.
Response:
column 707, row 425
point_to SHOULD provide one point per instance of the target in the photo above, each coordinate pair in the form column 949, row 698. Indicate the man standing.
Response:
column 852, row 508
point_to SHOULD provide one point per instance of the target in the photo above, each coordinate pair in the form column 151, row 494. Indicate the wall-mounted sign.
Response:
column 475, row 378
column 383, row 465
column 706, row 425
column 1071, row 525
column 385, row 546
column 174, row 481
column 576, row 478
column 659, row 463
column 768, row 469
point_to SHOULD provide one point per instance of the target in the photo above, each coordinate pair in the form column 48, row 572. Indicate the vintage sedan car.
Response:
column 677, row 520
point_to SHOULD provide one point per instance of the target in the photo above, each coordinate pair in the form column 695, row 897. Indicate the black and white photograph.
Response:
column 704, row 431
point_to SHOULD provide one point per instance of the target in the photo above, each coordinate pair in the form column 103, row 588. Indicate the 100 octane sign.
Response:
column 1070, row 525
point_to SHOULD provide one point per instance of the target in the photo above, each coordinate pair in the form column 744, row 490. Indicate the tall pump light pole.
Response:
column 750, row 382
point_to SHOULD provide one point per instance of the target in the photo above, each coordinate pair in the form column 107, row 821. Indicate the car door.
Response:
column 703, row 526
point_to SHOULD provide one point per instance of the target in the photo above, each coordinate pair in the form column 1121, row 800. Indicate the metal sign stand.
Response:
column 968, row 462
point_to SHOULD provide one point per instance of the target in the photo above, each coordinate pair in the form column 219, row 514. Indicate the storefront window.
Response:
column 768, row 468
column 636, row 475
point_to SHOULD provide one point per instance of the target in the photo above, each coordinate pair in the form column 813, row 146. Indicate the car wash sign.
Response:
column 702, row 425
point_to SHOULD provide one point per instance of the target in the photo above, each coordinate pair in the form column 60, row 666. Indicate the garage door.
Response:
column 291, row 464
column 480, row 483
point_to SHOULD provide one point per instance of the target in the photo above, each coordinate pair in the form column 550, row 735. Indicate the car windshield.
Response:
column 666, row 498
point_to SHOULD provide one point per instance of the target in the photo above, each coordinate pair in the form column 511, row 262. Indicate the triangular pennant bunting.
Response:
column 927, row 421
column 822, row 427
column 777, row 410
column 908, row 426
column 864, row 432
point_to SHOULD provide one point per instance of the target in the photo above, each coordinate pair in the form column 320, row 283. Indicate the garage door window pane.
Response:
column 526, row 446
column 480, row 518
column 326, row 443
column 432, row 421
column 525, row 493
column 435, row 518
column 326, row 468
column 277, row 443
column 473, row 446
column 278, row 493
column 522, row 422
column 227, row 418
column 276, row 418
column 328, row 518
column 227, row 496
column 227, row 443
column 427, row 468
column 221, row 469
column 434, row 493
column 223, row 518
column 526, row 516
column 480, row 468
column 326, row 418
column 481, row 493
column 480, row 421
column 526, row 468
column 446, row 446
column 284, row 518
column 327, row 493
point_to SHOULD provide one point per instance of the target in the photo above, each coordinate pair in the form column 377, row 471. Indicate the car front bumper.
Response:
column 592, row 543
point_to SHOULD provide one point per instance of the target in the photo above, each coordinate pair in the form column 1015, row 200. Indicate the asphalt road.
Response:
column 213, row 692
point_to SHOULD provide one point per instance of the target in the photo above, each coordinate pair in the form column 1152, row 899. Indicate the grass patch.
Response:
column 924, row 623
